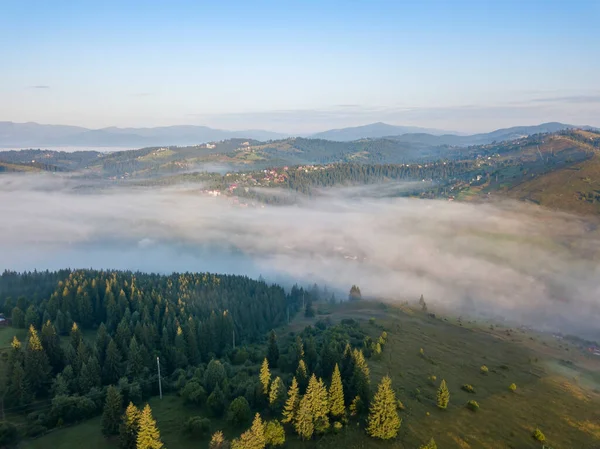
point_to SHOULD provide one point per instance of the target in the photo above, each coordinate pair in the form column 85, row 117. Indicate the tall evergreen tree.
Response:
column 292, row 402
column 102, row 340
column 316, row 395
column 302, row 376
column 180, row 349
column 384, row 421
column 51, row 344
column 135, row 361
column 19, row 390
column 277, row 394
column 443, row 395
column 89, row 377
column 253, row 438
column 128, row 430
column 361, row 376
column 76, row 336
column 111, row 415
column 265, row 376
column 113, row 365
column 148, row 436
column 37, row 366
column 273, row 349
column 303, row 421
column 337, row 407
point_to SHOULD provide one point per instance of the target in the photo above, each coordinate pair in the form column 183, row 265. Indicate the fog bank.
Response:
column 526, row 263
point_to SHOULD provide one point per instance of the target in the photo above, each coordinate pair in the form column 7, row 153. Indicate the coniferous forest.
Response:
column 93, row 339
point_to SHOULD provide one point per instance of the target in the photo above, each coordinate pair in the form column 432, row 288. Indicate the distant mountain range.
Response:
column 34, row 135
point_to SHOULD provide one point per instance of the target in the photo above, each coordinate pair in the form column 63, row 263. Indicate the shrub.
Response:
column 512, row 387
column 468, row 388
column 274, row 434
column 216, row 402
column 239, row 411
column 432, row 379
column 197, row 426
column 538, row 435
column 193, row 393
column 71, row 409
column 337, row 426
column 484, row 369
column 473, row 406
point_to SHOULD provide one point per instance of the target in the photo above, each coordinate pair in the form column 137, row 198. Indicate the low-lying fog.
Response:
column 526, row 263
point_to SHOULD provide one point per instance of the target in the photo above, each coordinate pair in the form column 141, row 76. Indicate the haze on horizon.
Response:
column 300, row 67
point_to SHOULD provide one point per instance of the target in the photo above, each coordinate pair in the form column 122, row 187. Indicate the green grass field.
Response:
column 558, row 389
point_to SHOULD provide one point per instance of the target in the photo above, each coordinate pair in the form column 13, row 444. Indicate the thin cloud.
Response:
column 579, row 99
column 40, row 86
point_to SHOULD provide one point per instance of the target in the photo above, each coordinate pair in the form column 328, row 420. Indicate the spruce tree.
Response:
column 384, row 421
column 37, row 366
column 76, row 336
column 102, row 340
column 51, row 344
column 112, row 370
column 336, row 394
column 148, row 436
column 218, row 441
column 303, row 421
column 273, row 349
column 19, row 390
column 265, row 376
column 128, row 430
column 302, row 375
column 291, row 405
column 276, row 394
column 135, row 361
column 316, row 395
column 443, row 395
column 253, row 438
column 111, row 416
column 430, row 445
column 361, row 376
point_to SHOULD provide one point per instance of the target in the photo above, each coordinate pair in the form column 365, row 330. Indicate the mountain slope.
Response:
column 371, row 131
column 34, row 134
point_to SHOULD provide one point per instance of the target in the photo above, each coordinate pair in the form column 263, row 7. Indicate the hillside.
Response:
column 575, row 188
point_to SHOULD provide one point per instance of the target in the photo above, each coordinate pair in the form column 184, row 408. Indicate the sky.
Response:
column 300, row 66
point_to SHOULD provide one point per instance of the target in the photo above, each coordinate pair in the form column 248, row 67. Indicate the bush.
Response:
column 216, row 402
column 337, row 427
column 197, row 426
column 34, row 430
column 239, row 411
column 432, row 379
column 71, row 409
column 484, row 369
column 538, row 435
column 512, row 387
column 274, row 434
column 473, row 406
column 193, row 393
column 9, row 436
column 468, row 388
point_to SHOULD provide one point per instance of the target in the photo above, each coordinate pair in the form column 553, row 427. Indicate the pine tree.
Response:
column 113, row 366
column 302, row 375
column 276, row 394
column 273, row 349
column 303, row 421
column 265, row 376
column 253, row 438
column 430, row 445
column 51, row 344
column 361, row 376
column 128, row 430
column 443, row 395
column 356, row 406
column 336, row 394
column 111, row 415
column 218, row 441
column 384, row 421
column 89, row 376
column 37, row 367
column 291, row 405
column 316, row 395
column 180, row 349
column 135, row 361
column 102, row 340
column 19, row 390
column 76, row 336
column 148, row 436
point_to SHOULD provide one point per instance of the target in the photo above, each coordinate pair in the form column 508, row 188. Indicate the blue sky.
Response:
column 300, row 66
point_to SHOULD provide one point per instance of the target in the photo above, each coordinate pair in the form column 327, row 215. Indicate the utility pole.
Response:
column 159, row 380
